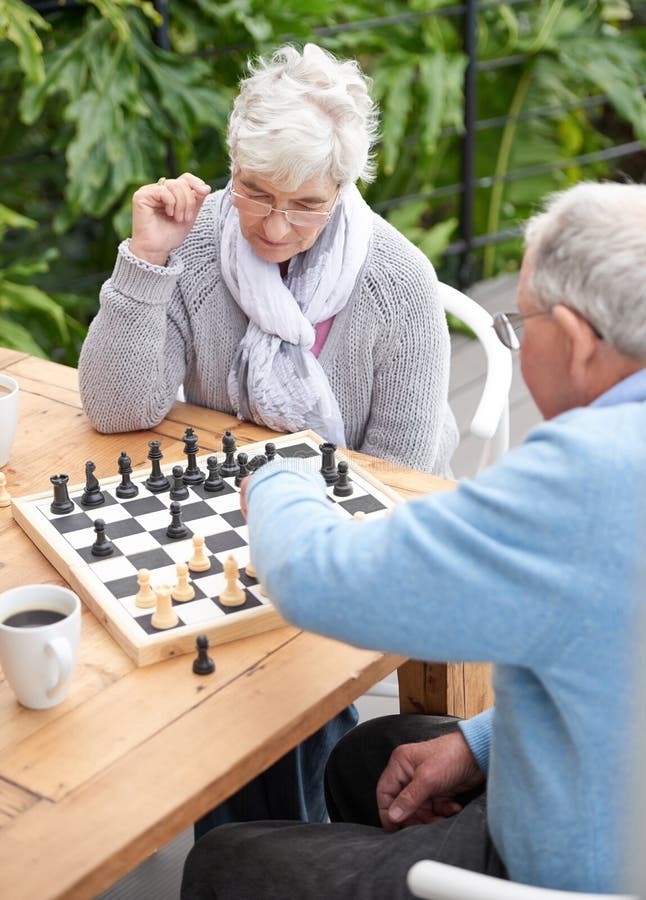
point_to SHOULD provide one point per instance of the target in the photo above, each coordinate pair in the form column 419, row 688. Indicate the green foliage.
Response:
column 92, row 107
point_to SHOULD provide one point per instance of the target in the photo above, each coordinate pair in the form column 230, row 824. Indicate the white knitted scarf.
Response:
column 275, row 378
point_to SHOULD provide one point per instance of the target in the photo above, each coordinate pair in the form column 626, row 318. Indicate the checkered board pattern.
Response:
column 137, row 530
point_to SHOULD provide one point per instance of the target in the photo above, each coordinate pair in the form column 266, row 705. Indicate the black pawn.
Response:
column 270, row 451
column 192, row 473
column 328, row 466
column 344, row 486
column 243, row 469
column 214, row 480
column 61, row 503
column 229, row 467
column 176, row 529
column 126, row 489
column 102, row 546
column 257, row 462
column 203, row 664
column 178, row 490
column 156, row 481
column 92, row 495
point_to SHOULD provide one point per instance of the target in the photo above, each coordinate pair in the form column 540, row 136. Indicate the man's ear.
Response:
column 581, row 340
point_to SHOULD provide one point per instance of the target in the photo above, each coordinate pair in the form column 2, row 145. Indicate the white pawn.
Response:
column 232, row 595
column 250, row 569
column 183, row 590
column 5, row 499
column 145, row 597
column 359, row 516
column 164, row 615
column 199, row 562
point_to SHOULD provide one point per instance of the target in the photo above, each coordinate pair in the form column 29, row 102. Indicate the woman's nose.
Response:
column 276, row 225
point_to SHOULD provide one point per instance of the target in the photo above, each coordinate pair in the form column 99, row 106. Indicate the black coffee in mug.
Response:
column 34, row 618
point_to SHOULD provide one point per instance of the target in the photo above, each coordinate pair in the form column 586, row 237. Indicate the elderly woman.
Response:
column 285, row 300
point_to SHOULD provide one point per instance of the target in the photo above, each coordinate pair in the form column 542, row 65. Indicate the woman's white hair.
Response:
column 588, row 252
column 303, row 115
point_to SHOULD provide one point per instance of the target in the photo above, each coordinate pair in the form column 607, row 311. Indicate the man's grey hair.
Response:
column 588, row 252
column 301, row 115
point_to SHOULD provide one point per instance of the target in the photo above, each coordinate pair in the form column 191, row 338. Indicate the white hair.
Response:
column 303, row 115
column 588, row 252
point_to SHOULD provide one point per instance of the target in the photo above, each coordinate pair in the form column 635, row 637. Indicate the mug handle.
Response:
column 59, row 649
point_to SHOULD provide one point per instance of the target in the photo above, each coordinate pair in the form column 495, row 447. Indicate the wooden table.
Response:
column 133, row 756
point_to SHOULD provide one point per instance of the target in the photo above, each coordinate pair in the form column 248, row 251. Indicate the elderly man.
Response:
column 533, row 566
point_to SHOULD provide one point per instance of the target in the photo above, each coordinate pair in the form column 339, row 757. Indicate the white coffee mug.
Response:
column 8, row 415
column 40, row 629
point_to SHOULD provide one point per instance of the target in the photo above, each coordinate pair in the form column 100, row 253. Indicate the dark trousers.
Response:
column 352, row 858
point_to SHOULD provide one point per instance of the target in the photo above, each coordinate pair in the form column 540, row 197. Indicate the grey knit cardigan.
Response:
column 386, row 356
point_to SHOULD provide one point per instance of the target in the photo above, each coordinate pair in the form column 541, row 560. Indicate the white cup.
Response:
column 38, row 655
column 8, row 415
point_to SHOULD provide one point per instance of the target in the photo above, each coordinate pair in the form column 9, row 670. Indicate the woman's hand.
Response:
column 163, row 214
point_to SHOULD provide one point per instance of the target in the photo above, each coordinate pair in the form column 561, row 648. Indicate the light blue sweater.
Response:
column 532, row 566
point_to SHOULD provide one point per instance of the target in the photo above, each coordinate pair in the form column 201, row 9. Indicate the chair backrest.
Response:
column 491, row 419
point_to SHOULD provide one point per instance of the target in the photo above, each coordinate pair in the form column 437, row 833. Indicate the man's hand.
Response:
column 244, row 484
column 421, row 780
column 163, row 214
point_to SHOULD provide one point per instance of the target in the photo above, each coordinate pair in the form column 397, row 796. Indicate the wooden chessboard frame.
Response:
column 147, row 649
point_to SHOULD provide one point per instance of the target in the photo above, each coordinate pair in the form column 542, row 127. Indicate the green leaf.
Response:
column 16, row 337
column 26, row 299
column 19, row 24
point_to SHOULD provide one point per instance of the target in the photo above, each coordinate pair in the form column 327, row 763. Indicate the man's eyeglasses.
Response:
column 302, row 218
column 509, row 327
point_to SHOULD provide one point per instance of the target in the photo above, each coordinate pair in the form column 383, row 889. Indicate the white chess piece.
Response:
column 199, row 562
column 164, row 615
column 5, row 499
column 145, row 597
column 359, row 516
column 232, row 595
column 182, row 591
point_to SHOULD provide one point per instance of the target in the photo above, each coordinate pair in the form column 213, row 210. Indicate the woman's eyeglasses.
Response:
column 509, row 327
column 300, row 217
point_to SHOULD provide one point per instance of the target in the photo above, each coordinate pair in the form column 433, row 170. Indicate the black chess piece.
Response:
column 328, row 465
column 243, row 468
column 126, row 489
column 156, row 482
column 257, row 462
column 229, row 467
column 270, row 450
column 61, row 503
column 343, row 486
column 102, row 546
column 176, row 529
column 214, row 480
column 178, row 490
column 192, row 473
column 203, row 664
column 92, row 495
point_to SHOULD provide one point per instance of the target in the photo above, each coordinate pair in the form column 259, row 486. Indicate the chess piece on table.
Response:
column 359, row 516
column 178, row 490
column 199, row 562
column 156, row 482
column 229, row 467
column 145, row 598
column 102, row 546
column 270, row 451
column 176, row 529
column 5, row 499
column 192, row 474
column 61, row 503
column 257, row 462
column 243, row 469
column 164, row 616
column 214, row 480
column 233, row 594
column 182, row 591
column 92, row 495
column 126, row 489
column 343, row 486
column 328, row 464
column 203, row 664
column 250, row 569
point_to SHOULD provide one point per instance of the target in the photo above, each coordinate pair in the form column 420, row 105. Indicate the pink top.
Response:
column 322, row 330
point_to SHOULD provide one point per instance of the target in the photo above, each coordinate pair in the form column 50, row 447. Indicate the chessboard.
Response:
column 136, row 529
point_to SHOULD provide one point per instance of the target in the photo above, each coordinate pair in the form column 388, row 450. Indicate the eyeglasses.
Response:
column 302, row 218
column 509, row 327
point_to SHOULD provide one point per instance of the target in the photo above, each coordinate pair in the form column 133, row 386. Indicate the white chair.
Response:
column 491, row 419
column 436, row 881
